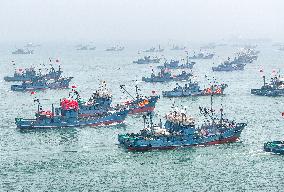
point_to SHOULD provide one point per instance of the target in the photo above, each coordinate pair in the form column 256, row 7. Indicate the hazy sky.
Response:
column 122, row 20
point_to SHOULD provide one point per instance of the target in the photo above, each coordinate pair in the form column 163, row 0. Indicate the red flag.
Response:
column 73, row 86
column 32, row 93
column 282, row 114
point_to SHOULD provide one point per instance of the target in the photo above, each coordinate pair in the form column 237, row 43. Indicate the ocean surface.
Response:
column 89, row 159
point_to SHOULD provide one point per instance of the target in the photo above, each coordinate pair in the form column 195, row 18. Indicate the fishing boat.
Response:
column 42, row 83
column 99, row 102
column 140, row 104
column 202, row 56
column 147, row 60
column 177, row 48
column 175, row 64
column 166, row 76
column 32, row 45
column 245, row 56
column 115, row 48
column 85, row 48
column 22, row 75
column 67, row 115
column 229, row 66
column 150, row 50
column 23, row 52
column 193, row 89
column 153, row 49
column 30, row 73
column 209, row 46
column 276, row 147
column 274, row 88
column 181, row 130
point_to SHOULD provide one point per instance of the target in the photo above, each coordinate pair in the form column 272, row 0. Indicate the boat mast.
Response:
column 151, row 119
column 124, row 90
column 39, row 107
column 136, row 90
column 221, row 120
column 264, row 83
column 52, row 107
column 186, row 57
column 144, row 121
column 211, row 99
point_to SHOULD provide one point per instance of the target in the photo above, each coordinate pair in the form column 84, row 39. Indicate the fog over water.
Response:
column 133, row 20
column 74, row 34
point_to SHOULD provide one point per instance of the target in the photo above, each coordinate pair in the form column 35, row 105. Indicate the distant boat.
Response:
column 209, row 46
column 32, row 45
column 193, row 89
column 85, row 48
column 22, row 51
column 202, row 56
column 147, row 60
column 153, row 49
column 227, row 66
column 177, row 48
column 166, row 76
column 150, row 50
column 30, row 73
column 276, row 147
column 274, row 88
column 175, row 64
column 115, row 48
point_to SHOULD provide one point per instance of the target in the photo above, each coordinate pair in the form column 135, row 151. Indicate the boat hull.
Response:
column 111, row 118
column 271, row 93
column 172, row 142
column 188, row 94
column 59, row 84
column 276, row 147
column 227, row 69
column 134, row 108
column 223, row 141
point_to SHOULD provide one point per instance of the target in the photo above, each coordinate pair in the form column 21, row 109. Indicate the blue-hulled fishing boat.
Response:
column 276, row 147
column 180, row 130
column 30, row 73
column 165, row 76
column 67, row 115
column 42, row 83
column 140, row 104
column 147, row 60
column 193, row 89
column 274, row 88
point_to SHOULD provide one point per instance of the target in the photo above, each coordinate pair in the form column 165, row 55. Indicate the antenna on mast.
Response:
column 124, row 90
